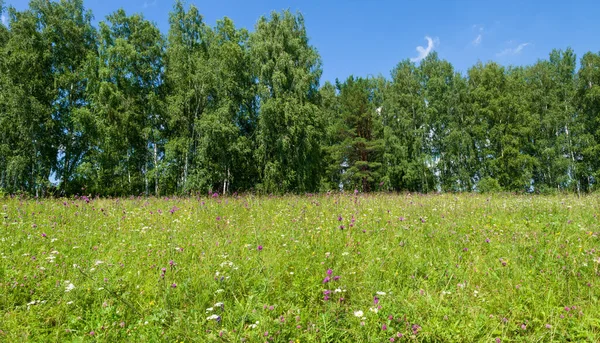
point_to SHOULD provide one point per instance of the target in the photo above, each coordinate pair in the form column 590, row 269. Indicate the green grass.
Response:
column 443, row 282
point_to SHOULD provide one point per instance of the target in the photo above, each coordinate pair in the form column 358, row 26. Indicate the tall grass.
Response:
column 327, row 268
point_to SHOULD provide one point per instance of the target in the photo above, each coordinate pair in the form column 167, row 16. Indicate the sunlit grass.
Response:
column 435, row 268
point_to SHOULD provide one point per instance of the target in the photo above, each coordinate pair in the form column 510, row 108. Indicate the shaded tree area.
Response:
column 121, row 109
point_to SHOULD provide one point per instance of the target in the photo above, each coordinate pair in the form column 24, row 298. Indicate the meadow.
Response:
column 311, row 268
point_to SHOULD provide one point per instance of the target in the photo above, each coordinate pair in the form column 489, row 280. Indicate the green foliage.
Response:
column 488, row 185
column 122, row 109
column 289, row 130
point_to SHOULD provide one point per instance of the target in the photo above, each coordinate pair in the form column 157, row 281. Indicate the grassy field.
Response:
column 326, row 268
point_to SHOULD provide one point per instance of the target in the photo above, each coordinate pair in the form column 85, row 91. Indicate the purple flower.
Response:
column 548, row 326
column 326, row 298
column 340, row 218
column 92, row 333
column 383, row 327
column 465, row 249
column 498, row 340
column 260, row 248
column 337, row 277
column 171, row 263
column 43, row 235
column 326, row 279
column 375, row 300
column 174, row 285
column 329, row 272
column 567, row 308
column 487, row 240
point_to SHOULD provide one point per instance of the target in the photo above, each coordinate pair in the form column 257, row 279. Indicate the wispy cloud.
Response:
column 149, row 4
column 423, row 52
column 479, row 38
column 513, row 51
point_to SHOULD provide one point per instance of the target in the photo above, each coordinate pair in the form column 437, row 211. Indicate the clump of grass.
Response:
column 329, row 268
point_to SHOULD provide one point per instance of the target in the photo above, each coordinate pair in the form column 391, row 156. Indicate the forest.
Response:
column 123, row 109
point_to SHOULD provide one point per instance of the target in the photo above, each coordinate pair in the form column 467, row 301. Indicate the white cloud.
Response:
column 4, row 19
column 423, row 52
column 149, row 4
column 513, row 51
column 479, row 38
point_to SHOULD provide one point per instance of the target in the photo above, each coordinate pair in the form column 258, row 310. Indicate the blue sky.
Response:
column 369, row 37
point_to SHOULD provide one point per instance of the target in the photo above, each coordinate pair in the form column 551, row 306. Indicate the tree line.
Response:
column 122, row 109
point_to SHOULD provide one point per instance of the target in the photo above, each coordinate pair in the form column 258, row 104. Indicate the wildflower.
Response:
column 43, row 235
column 220, row 304
column 92, row 333
column 174, row 285
column 383, row 327
column 375, row 300
column 358, row 314
column 381, row 293
column 498, row 340
column 548, row 326
column 337, row 277
column 567, row 308
column 329, row 272
column 69, row 287
column 326, row 279
column 340, row 218
column 487, row 240
column 260, row 248
column 214, row 317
